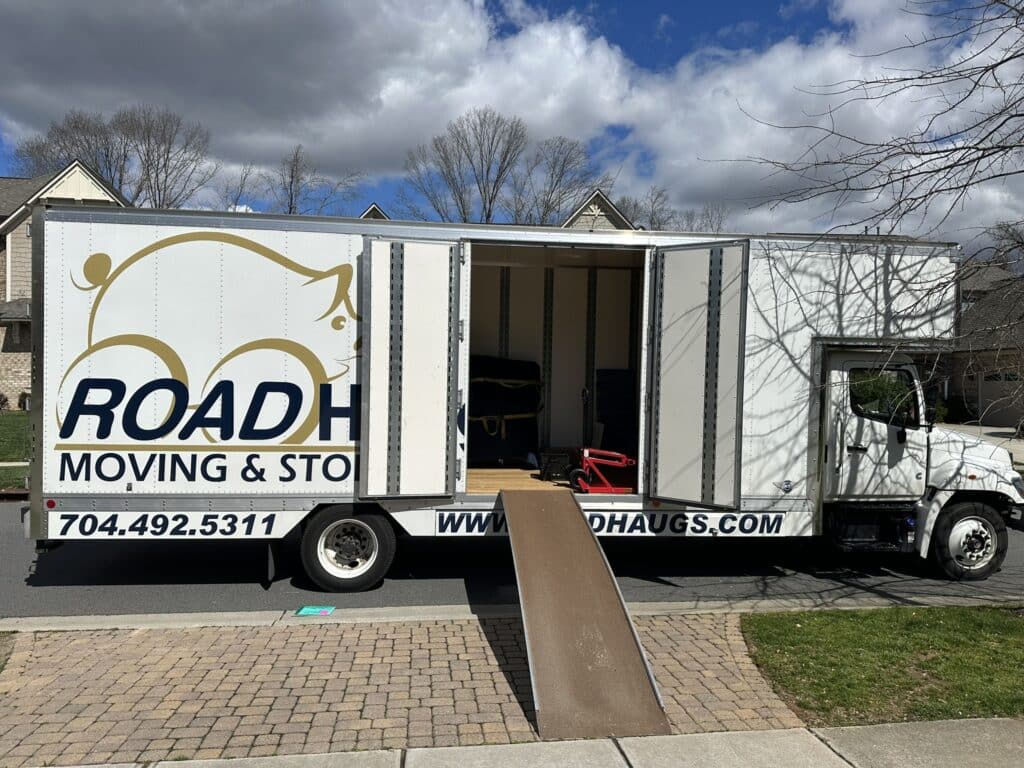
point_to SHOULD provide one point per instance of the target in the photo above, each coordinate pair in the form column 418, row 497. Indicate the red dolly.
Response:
column 588, row 478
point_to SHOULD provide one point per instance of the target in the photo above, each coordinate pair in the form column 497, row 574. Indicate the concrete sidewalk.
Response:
column 995, row 743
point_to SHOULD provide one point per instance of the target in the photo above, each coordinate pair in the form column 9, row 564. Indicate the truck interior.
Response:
column 555, row 336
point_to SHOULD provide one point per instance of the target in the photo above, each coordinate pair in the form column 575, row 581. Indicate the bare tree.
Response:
column 462, row 173
column 652, row 210
column 296, row 186
column 972, row 136
column 233, row 191
column 150, row 155
column 439, row 175
column 1008, row 245
column 710, row 218
column 551, row 181
column 172, row 155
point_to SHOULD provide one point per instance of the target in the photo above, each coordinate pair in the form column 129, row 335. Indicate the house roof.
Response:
column 995, row 319
column 598, row 203
column 374, row 211
column 18, row 309
column 977, row 275
column 15, row 190
column 17, row 197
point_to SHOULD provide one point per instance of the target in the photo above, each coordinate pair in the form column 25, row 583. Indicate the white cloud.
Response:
column 793, row 7
column 360, row 83
column 662, row 27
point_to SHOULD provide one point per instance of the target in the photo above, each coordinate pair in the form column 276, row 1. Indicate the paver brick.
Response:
column 251, row 691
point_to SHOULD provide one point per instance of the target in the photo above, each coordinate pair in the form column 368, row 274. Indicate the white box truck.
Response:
column 220, row 376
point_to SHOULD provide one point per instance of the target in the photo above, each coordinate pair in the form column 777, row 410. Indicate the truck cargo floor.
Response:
column 491, row 481
column 589, row 673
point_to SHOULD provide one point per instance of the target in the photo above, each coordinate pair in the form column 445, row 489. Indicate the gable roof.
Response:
column 15, row 190
column 374, row 211
column 598, row 204
column 31, row 190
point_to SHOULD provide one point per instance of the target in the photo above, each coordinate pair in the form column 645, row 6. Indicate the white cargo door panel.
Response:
column 697, row 322
column 409, row 369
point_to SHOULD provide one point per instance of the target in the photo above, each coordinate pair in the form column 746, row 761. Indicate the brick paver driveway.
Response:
column 71, row 698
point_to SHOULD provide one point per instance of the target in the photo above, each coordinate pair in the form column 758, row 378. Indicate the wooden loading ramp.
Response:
column 589, row 674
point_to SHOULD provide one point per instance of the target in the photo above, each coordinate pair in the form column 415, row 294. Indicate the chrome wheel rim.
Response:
column 347, row 548
column 972, row 543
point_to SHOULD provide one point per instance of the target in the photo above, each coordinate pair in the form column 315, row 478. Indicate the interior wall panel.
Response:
column 568, row 353
column 485, row 301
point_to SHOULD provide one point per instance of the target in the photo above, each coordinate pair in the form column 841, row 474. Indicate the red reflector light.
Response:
column 50, row 503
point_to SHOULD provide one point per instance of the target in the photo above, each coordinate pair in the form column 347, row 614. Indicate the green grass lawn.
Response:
column 892, row 664
column 13, row 477
column 15, row 442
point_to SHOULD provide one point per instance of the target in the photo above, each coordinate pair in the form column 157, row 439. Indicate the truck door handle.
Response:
column 856, row 449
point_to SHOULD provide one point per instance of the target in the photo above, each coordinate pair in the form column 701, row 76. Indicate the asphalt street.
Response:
column 83, row 578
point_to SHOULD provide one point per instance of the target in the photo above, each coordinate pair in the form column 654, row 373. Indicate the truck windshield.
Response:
column 884, row 395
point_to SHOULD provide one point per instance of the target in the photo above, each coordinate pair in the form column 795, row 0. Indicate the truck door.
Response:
column 877, row 439
column 698, row 310
column 409, row 302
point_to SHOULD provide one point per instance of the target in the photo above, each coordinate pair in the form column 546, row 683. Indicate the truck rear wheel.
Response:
column 969, row 541
column 343, row 551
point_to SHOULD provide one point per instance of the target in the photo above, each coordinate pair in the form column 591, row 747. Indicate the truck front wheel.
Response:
column 347, row 552
column 969, row 541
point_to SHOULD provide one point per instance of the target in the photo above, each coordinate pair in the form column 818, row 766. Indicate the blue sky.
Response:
column 655, row 34
column 661, row 91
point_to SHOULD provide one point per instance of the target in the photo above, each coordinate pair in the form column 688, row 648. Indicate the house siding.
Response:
column 15, row 362
column 21, row 262
column 589, row 222
column 3, row 268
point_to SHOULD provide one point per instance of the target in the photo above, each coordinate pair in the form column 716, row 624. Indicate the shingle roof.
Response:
column 18, row 309
column 15, row 191
column 995, row 320
column 983, row 275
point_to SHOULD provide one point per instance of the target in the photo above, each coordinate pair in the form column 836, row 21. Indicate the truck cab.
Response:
column 893, row 481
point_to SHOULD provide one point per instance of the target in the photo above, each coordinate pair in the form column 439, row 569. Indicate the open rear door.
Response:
column 410, row 304
column 698, row 317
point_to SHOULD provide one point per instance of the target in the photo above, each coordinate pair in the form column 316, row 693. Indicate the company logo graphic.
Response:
column 204, row 402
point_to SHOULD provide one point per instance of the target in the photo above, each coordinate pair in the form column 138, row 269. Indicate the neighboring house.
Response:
column 374, row 211
column 988, row 364
column 74, row 184
column 597, row 212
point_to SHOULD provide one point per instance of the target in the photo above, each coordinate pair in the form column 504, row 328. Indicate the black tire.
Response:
column 574, row 480
column 948, row 549
column 352, row 535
